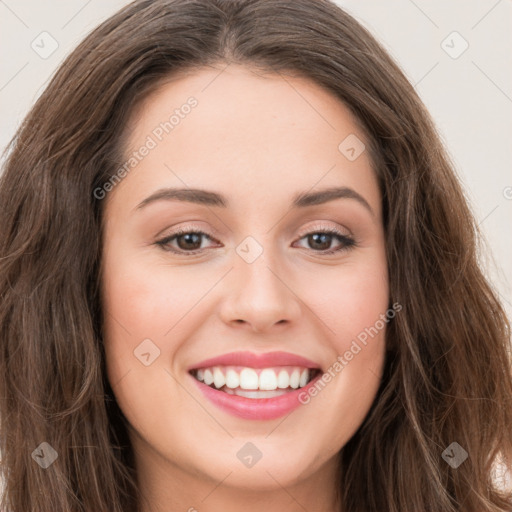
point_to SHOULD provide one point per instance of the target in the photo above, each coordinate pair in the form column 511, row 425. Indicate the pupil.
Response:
column 195, row 240
column 324, row 236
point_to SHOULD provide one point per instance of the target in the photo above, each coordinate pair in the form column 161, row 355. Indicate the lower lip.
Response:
column 255, row 408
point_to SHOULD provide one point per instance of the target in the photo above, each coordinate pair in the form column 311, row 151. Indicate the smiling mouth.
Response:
column 255, row 382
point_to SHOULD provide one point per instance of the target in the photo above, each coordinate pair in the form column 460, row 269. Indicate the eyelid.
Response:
column 172, row 230
column 213, row 234
column 321, row 226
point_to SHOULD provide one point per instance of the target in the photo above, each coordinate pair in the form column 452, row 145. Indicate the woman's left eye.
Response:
column 189, row 242
column 324, row 237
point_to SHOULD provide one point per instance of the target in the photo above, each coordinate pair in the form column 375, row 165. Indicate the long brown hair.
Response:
column 448, row 367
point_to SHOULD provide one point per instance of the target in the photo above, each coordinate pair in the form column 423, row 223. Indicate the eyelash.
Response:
column 347, row 241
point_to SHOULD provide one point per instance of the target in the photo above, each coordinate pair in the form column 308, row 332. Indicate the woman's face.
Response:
column 253, row 149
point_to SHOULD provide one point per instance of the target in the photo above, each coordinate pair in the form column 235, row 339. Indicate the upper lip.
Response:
column 253, row 360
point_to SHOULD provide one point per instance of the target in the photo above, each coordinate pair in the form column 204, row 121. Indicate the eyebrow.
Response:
column 208, row 198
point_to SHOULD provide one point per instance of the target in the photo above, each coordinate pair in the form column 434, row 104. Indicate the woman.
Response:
column 252, row 368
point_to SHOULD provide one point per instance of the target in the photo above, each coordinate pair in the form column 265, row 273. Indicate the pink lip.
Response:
column 255, row 408
column 252, row 360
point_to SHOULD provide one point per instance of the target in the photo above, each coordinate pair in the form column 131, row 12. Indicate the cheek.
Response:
column 363, row 299
column 147, row 300
column 135, row 305
column 351, row 303
column 142, row 298
column 348, row 298
column 141, row 305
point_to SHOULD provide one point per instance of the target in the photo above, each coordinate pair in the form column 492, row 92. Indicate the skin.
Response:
column 259, row 139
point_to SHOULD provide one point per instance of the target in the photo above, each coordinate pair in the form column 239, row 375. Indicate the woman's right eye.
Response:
column 188, row 238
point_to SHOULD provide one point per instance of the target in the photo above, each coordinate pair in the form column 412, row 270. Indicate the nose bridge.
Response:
column 257, row 292
column 253, row 268
column 258, row 278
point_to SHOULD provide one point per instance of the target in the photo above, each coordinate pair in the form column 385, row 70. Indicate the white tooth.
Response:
column 232, row 379
column 200, row 374
column 268, row 380
column 208, row 377
column 283, row 380
column 294, row 379
column 259, row 394
column 218, row 378
column 248, row 379
column 304, row 377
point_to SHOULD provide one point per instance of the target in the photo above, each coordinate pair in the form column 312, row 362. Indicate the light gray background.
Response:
column 469, row 97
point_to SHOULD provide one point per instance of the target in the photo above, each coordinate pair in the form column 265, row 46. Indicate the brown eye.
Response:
column 186, row 242
column 189, row 241
column 320, row 241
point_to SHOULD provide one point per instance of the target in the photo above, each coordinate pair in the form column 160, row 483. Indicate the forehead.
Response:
column 249, row 134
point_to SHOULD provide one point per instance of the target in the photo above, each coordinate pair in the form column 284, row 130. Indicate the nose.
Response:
column 258, row 296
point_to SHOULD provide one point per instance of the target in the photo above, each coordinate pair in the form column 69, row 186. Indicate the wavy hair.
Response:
column 448, row 367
